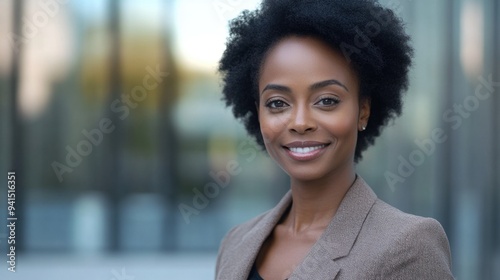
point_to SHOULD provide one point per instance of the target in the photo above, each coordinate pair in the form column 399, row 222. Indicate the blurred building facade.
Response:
column 110, row 113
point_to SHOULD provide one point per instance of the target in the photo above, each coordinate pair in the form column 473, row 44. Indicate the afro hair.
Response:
column 371, row 38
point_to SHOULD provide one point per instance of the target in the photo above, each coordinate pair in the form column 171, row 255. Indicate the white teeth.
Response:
column 305, row 150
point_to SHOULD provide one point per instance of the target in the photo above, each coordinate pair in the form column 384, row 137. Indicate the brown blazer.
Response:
column 366, row 239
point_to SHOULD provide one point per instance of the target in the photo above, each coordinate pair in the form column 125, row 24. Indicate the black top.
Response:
column 254, row 274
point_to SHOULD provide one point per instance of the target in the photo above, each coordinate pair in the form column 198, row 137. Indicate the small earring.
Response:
column 363, row 128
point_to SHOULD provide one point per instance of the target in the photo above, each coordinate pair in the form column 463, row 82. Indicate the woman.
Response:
column 315, row 82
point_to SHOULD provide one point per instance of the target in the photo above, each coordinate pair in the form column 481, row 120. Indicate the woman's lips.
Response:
column 304, row 151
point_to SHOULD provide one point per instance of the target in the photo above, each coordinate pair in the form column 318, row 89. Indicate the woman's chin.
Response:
column 304, row 175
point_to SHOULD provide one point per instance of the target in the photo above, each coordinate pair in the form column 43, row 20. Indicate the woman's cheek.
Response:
column 268, row 134
column 271, row 129
column 279, row 122
column 341, row 125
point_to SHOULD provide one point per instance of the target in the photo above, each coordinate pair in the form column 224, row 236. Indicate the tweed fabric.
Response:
column 366, row 239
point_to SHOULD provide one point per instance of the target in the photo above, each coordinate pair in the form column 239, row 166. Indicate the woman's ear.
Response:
column 364, row 113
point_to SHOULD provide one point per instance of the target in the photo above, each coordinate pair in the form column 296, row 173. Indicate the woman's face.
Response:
column 309, row 109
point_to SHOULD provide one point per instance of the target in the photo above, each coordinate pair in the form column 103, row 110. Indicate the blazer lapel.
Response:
column 242, row 256
column 339, row 237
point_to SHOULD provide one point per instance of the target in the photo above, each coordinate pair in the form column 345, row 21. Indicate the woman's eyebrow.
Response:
column 326, row 83
column 313, row 87
column 277, row 88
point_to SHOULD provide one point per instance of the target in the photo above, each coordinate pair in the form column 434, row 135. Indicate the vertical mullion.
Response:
column 496, row 139
column 113, row 172
column 168, row 156
column 17, row 155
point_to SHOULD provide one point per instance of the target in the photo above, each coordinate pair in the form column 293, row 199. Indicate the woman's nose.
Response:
column 302, row 120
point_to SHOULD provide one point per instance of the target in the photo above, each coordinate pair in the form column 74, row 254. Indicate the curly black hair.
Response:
column 371, row 37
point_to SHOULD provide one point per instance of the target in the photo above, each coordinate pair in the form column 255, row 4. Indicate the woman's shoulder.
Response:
column 238, row 232
column 260, row 224
column 387, row 219
column 237, row 243
column 404, row 243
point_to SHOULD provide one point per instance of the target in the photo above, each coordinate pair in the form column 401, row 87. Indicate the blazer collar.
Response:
column 335, row 242
column 338, row 238
column 246, row 251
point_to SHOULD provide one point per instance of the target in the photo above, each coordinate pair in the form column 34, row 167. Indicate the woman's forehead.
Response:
column 305, row 58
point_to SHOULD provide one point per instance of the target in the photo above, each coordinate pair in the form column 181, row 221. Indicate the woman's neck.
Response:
column 316, row 202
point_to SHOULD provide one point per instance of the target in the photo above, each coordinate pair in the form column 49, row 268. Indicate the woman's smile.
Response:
column 305, row 150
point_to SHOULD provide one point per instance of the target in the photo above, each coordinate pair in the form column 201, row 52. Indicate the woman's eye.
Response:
column 275, row 104
column 328, row 102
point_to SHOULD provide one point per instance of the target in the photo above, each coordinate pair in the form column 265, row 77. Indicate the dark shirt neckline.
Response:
column 254, row 274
